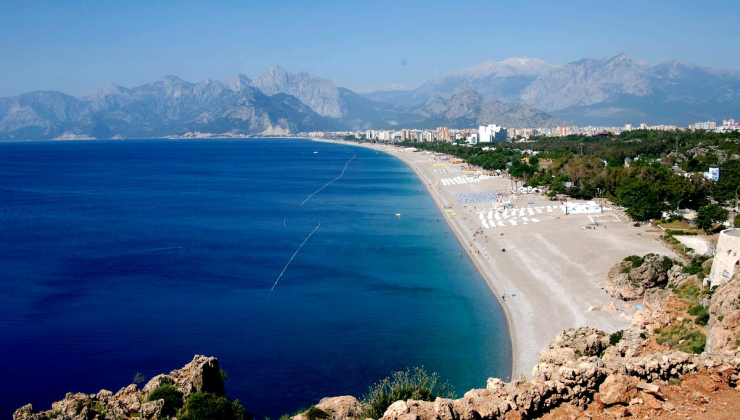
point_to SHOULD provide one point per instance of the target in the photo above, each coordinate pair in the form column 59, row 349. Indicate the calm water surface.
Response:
column 125, row 257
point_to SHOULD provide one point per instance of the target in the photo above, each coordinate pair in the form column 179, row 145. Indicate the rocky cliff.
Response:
column 201, row 375
column 629, row 279
column 723, row 330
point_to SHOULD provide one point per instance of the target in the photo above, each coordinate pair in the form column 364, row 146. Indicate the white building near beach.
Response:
column 492, row 133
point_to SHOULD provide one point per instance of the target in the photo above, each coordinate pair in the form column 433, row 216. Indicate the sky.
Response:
column 75, row 46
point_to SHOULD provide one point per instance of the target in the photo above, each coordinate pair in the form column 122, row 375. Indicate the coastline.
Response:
column 552, row 272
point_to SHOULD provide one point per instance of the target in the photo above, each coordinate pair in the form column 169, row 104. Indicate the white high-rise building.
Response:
column 491, row 133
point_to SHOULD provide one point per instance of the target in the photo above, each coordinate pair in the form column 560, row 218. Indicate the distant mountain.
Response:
column 399, row 98
column 351, row 109
column 465, row 107
column 605, row 91
column 169, row 106
column 319, row 94
column 495, row 80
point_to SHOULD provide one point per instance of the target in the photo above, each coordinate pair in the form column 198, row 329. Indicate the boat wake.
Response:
column 291, row 259
column 329, row 183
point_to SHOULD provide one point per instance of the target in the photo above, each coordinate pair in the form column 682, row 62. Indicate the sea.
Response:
column 309, row 269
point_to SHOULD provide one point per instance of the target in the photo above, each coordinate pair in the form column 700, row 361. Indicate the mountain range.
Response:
column 518, row 92
column 608, row 91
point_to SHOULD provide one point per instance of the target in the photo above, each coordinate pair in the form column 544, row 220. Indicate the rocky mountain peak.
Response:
column 625, row 60
column 466, row 87
column 238, row 83
column 106, row 90
column 525, row 63
column 319, row 94
column 171, row 80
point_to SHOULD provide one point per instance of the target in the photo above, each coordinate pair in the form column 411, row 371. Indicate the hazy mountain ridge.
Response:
column 465, row 107
column 605, row 91
column 169, row 106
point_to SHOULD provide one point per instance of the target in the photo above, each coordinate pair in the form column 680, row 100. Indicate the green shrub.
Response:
column 675, row 218
column 695, row 267
column 682, row 338
column 671, row 232
column 635, row 260
column 204, row 406
column 666, row 265
column 616, row 337
column 416, row 385
column 172, row 399
column 701, row 313
column 314, row 413
column 691, row 292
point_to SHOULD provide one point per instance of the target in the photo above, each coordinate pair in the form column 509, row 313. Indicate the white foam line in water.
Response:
column 291, row 258
column 327, row 184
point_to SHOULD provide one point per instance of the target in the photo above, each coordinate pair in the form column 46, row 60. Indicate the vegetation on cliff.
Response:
column 414, row 384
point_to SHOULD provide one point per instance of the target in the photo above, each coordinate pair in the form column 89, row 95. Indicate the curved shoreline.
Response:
column 553, row 270
column 437, row 198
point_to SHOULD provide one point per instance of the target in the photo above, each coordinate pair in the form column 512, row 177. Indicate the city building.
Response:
column 492, row 133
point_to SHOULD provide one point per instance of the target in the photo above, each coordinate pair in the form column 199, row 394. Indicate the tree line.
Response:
column 646, row 187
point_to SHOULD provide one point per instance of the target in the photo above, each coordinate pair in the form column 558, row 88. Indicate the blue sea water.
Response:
column 132, row 256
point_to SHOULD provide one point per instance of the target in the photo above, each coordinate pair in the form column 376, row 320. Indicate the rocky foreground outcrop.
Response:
column 202, row 374
column 629, row 279
column 557, row 379
column 614, row 383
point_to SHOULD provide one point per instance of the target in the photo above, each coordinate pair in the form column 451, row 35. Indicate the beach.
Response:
column 545, row 267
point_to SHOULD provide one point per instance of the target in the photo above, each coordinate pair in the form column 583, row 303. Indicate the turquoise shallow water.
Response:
column 125, row 257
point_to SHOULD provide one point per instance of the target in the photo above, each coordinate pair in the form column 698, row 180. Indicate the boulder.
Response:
column 202, row 374
column 628, row 281
column 610, row 307
column 723, row 330
column 574, row 343
column 676, row 277
column 344, row 407
column 24, row 413
column 152, row 409
column 618, row 389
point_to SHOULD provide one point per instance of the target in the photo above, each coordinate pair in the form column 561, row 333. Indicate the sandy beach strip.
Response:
column 553, row 267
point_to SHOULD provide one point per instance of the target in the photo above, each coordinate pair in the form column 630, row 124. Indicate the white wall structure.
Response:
column 491, row 133
column 726, row 257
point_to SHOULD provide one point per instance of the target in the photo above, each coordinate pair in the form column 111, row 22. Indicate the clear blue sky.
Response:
column 75, row 46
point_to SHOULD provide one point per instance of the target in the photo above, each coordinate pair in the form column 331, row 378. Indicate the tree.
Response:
column 736, row 223
column 709, row 215
column 727, row 186
column 640, row 198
